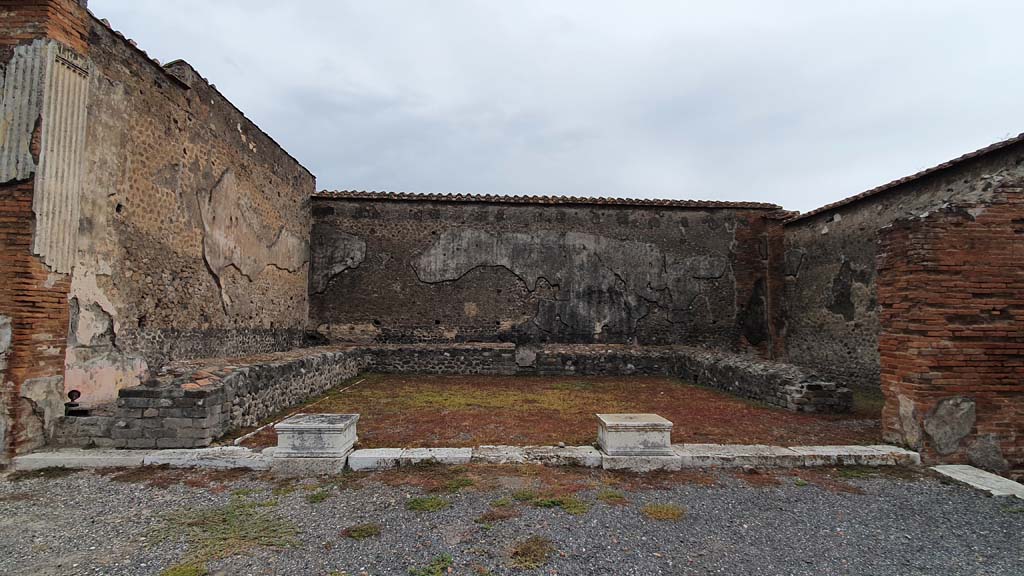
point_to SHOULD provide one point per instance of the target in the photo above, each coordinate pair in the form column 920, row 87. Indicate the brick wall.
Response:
column 36, row 302
column 951, row 292
column 22, row 21
column 34, row 299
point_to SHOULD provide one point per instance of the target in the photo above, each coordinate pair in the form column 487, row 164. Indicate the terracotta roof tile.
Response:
column 499, row 199
column 907, row 179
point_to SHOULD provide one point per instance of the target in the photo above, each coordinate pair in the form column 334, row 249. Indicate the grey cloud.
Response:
column 796, row 102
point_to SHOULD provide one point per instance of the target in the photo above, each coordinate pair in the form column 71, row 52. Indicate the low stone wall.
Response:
column 192, row 404
column 441, row 359
column 777, row 384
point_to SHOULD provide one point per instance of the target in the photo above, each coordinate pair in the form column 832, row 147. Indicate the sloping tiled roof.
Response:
column 906, row 179
column 498, row 199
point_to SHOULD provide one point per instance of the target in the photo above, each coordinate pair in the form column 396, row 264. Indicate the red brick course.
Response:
column 22, row 21
column 951, row 289
column 37, row 303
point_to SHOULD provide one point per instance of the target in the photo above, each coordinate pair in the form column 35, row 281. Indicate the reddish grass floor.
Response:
column 399, row 410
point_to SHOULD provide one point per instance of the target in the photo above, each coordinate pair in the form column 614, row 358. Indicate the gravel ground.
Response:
column 95, row 523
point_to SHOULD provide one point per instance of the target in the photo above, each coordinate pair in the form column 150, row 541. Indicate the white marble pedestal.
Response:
column 634, row 435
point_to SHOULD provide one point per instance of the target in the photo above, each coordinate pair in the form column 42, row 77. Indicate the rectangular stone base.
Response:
column 634, row 435
column 316, row 435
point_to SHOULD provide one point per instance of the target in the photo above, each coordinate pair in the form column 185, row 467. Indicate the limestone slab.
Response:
column 845, row 455
column 634, row 435
column 735, row 456
column 900, row 456
column 455, row 456
column 584, row 456
column 490, row 454
column 982, row 480
column 221, row 457
column 374, row 458
column 316, row 435
column 77, row 458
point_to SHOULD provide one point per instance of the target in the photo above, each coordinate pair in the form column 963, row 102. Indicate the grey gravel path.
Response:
column 86, row 523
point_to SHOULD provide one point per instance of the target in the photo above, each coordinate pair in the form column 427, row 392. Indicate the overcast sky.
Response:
column 800, row 103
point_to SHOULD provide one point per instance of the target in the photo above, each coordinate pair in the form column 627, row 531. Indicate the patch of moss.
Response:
column 426, row 504
column 612, row 497
column 456, row 484
column 361, row 531
column 227, row 530
column 531, row 553
column 438, row 567
column 853, row 472
column 524, row 495
column 569, row 504
column 501, row 503
column 190, row 569
column 663, row 512
column 497, row 515
column 318, row 496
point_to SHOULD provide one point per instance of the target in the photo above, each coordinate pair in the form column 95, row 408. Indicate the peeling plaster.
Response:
column 46, row 396
column 336, row 252
column 93, row 363
column 234, row 238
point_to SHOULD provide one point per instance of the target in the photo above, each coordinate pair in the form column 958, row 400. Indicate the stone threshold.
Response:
column 981, row 480
column 684, row 456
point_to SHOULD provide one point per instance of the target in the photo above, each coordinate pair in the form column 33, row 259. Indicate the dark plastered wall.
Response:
column 433, row 271
column 831, row 310
column 193, row 239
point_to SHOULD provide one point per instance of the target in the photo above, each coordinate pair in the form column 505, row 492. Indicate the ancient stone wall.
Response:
column 194, row 403
column 774, row 383
column 405, row 269
column 441, row 358
column 193, row 238
column 831, row 304
column 951, row 292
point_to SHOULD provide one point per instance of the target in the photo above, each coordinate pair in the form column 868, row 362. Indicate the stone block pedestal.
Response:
column 314, row 444
column 316, row 435
column 634, row 435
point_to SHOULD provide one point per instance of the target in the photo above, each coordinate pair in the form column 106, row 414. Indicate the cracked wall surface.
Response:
column 393, row 271
column 831, row 309
column 193, row 234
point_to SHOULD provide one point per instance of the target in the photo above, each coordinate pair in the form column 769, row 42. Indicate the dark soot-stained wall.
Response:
column 387, row 270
